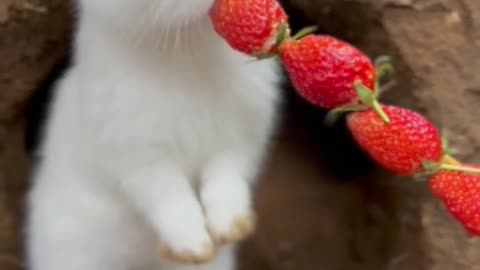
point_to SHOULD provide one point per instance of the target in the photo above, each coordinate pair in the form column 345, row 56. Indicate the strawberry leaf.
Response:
column 281, row 35
column 382, row 66
column 368, row 98
column 364, row 94
column 383, row 60
column 421, row 177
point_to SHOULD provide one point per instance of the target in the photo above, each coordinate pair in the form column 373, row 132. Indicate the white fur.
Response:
column 155, row 110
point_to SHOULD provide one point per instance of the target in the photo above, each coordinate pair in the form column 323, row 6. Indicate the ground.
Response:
column 321, row 203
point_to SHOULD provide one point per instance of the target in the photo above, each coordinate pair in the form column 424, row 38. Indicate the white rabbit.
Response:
column 153, row 143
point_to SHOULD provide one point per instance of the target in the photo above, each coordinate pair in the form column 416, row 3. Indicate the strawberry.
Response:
column 401, row 146
column 254, row 27
column 323, row 69
column 460, row 194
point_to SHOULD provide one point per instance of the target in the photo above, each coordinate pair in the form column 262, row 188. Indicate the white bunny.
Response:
column 154, row 140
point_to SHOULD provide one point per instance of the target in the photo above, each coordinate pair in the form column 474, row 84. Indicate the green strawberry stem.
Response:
column 380, row 112
column 305, row 32
column 459, row 168
column 448, row 163
column 368, row 98
column 336, row 113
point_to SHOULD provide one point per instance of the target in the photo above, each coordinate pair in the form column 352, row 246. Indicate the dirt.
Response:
column 33, row 37
column 322, row 204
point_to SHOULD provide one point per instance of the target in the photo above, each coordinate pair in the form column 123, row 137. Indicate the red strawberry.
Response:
column 460, row 193
column 400, row 146
column 249, row 26
column 323, row 69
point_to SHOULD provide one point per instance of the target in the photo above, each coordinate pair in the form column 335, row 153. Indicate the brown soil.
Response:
column 321, row 203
